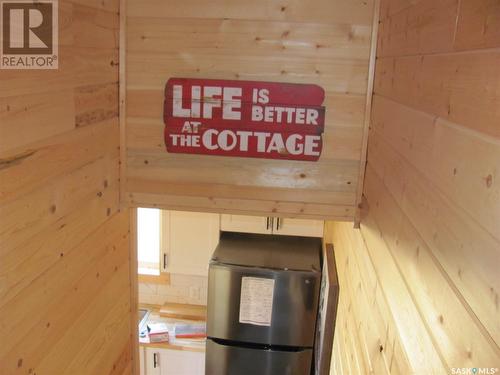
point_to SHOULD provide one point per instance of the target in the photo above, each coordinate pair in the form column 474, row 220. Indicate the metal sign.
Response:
column 244, row 118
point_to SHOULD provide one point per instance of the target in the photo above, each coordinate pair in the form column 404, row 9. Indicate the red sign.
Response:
column 244, row 118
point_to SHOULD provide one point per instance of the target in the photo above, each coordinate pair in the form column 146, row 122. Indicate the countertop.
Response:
column 195, row 345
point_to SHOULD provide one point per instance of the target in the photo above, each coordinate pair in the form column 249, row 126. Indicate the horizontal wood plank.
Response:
column 272, row 173
column 323, row 11
column 427, row 26
column 78, row 66
column 463, row 88
column 27, row 119
column 478, row 25
column 242, row 206
column 243, row 192
column 230, row 37
column 22, row 170
column 152, row 70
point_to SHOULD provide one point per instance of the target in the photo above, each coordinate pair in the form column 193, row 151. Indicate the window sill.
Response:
column 162, row 278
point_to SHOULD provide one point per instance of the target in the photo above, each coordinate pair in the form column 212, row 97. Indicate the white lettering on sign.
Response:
column 213, row 97
column 228, row 140
column 231, row 103
column 256, row 301
column 288, row 115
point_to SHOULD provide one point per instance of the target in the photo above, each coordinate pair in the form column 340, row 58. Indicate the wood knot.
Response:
column 20, row 362
column 380, row 348
column 489, row 181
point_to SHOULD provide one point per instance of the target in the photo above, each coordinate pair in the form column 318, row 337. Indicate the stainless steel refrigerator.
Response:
column 263, row 293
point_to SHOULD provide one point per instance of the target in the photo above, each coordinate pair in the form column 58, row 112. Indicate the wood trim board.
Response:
column 327, row 312
column 134, row 291
column 368, row 110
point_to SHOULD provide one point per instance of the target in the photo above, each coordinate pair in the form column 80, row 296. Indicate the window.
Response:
column 148, row 240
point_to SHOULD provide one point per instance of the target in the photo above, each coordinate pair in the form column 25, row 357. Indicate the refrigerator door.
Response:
column 291, row 312
column 223, row 359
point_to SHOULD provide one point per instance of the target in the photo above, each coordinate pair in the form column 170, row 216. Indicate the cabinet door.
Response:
column 152, row 359
column 182, row 362
column 298, row 227
column 191, row 240
column 246, row 224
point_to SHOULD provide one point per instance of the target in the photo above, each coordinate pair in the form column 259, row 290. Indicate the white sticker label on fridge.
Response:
column 256, row 301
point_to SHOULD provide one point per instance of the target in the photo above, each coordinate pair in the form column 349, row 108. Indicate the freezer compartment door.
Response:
column 222, row 359
column 280, row 310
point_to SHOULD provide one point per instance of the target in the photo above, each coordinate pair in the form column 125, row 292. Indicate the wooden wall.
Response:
column 326, row 42
column 419, row 281
column 64, row 259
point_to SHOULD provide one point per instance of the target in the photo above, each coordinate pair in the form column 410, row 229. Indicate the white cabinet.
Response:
column 173, row 362
column 142, row 360
column 271, row 225
column 151, row 363
column 188, row 241
column 298, row 227
column 246, row 224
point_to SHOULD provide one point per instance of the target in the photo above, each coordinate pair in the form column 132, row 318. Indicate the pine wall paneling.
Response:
column 324, row 42
column 428, row 249
column 64, row 244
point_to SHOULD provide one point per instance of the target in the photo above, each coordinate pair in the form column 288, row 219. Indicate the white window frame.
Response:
column 157, row 268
